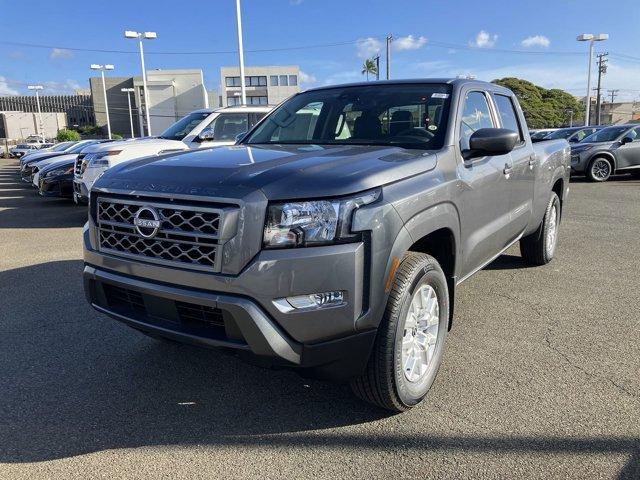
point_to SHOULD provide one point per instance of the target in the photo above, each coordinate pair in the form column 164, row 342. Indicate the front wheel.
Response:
column 410, row 342
column 540, row 247
column 599, row 170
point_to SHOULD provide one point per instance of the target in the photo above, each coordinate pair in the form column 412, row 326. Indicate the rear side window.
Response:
column 508, row 115
column 475, row 115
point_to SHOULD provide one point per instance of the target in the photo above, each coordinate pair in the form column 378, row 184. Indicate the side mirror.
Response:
column 206, row 135
column 626, row 140
column 240, row 136
column 491, row 141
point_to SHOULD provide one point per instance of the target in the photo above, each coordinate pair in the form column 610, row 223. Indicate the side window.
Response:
column 635, row 134
column 255, row 118
column 475, row 115
column 227, row 125
column 508, row 115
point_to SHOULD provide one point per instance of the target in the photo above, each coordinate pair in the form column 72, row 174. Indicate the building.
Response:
column 172, row 93
column 77, row 108
column 19, row 125
column 118, row 106
column 619, row 112
column 268, row 85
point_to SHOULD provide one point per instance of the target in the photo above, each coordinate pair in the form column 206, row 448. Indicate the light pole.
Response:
column 37, row 88
column 128, row 92
column 102, row 68
column 243, row 92
column 591, row 38
column 146, row 36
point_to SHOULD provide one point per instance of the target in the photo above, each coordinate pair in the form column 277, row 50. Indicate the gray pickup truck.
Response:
column 332, row 237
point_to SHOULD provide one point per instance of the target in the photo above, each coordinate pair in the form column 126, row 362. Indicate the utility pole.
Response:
column 613, row 93
column 602, row 69
column 377, row 59
column 389, row 40
column 243, row 89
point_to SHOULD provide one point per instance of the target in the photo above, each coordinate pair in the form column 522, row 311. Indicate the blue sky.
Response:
column 488, row 38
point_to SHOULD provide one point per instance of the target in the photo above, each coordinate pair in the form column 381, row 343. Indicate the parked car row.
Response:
column 69, row 169
column 599, row 151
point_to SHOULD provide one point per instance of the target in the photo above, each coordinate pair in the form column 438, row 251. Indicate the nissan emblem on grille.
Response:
column 147, row 222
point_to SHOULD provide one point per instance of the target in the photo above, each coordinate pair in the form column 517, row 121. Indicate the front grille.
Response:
column 192, row 313
column 124, row 301
column 184, row 235
column 77, row 168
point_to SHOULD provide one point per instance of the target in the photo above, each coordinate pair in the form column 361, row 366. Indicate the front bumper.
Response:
column 237, row 312
column 61, row 186
column 80, row 192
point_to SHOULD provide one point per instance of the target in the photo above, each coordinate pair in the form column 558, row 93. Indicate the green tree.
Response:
column 369, row 67
column 66, row 135
column 544, row 108
column 116, row 136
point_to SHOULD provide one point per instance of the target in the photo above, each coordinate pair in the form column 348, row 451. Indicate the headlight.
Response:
column 100, row 159
column 60, row 171
column 307, row 223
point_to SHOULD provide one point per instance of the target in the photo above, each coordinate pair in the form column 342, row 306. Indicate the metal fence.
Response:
column 78, row 108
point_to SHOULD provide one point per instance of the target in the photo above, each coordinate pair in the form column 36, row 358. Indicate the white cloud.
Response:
column 69, row 86
column 368, row 47
column 5, row 89
column 307, row 78
column 484, row 40
column 408, row 43
column 60, row 53
column 536, row 41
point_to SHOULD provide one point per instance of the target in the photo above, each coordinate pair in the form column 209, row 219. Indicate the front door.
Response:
column 485, row 189
column 522, row 181
column 628, row 155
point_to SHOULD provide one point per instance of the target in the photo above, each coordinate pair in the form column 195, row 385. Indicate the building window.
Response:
column 262, row 100
column 233, row 101
column 232, row 81
column 274, row 80
column 256, row 81
column 293, row 80
column 284, row 81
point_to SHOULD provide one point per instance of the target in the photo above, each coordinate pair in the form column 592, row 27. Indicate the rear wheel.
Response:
column 540, row 247
column 410, row 342
column 599, row 170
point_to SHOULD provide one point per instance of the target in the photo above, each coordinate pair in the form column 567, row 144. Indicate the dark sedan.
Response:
column 56, row 179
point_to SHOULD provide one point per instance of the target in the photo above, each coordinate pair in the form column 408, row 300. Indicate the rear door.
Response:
column 522, row 181
column 628, row 155
column 485, row 192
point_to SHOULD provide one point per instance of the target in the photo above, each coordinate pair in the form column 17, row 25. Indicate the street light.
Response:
column 37, row 88
column 102, row 68
column 243, row 90
column 146, row 36
column 128, row 92
column 591, row 38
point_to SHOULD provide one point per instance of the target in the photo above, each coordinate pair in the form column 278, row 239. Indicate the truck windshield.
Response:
column 562, row 133
column 184, row 126
column 406, row 115
column 605, row 135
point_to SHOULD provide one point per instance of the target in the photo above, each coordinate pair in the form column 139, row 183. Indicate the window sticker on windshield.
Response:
column 440, row 95
column 432, row 127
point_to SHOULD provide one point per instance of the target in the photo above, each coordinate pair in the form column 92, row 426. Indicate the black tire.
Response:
column 600, row 169
column 384, row 383
column 535, row 248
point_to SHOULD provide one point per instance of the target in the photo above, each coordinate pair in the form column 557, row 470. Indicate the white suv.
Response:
column 199, row 129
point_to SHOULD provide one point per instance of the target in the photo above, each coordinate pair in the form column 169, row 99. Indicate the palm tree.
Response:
column 369, row 67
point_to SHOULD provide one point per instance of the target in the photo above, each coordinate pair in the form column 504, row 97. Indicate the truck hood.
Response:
column 281, row 172
column 36, row 157
column 143, row 144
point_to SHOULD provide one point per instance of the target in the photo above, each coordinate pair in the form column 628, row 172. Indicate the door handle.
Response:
column 532, row 161
column 507, row 170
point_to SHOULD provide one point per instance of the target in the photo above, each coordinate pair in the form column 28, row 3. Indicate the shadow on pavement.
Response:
column 76, row 382
column 22, row 207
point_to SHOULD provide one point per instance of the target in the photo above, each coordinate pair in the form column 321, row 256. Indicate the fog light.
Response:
column 312, row 301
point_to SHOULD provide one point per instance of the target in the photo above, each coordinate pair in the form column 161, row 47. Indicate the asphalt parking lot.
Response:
column 541, row 377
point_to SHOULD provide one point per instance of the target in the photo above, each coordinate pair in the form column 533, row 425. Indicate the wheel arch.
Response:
column 603, row 154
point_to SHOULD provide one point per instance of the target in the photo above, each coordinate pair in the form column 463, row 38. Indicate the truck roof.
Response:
column 412, row 81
